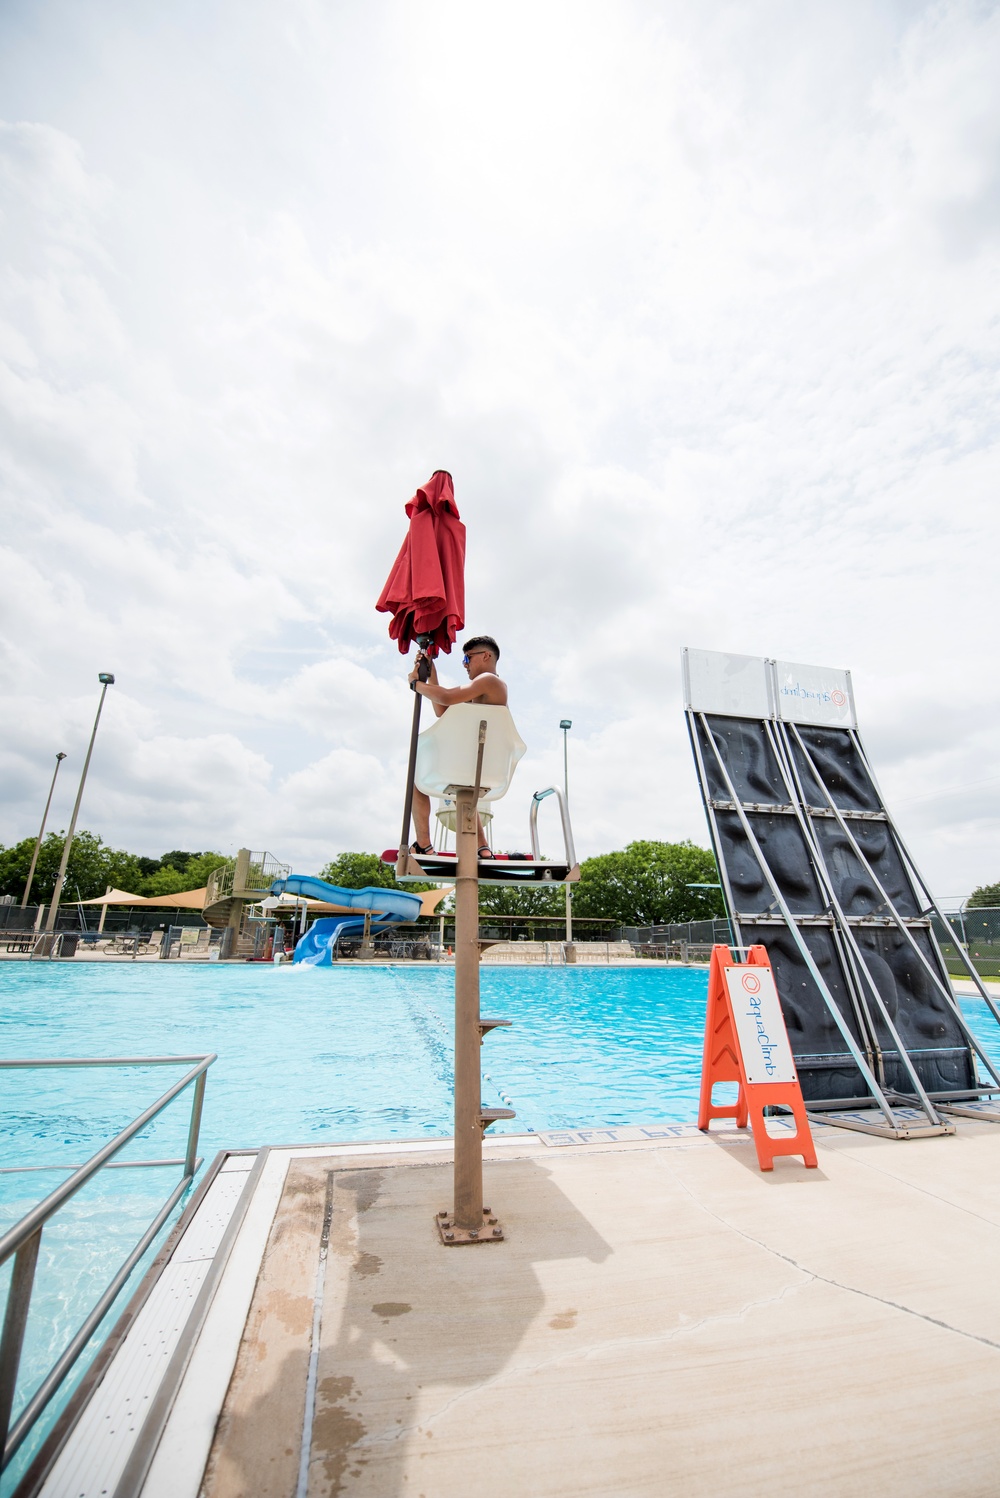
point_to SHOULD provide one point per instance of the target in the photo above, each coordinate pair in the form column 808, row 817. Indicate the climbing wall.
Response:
column 813, row 868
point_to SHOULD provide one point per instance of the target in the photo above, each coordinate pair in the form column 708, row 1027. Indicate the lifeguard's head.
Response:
column 480, row 654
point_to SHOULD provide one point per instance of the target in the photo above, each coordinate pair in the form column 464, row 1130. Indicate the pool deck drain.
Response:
column 661, row 1319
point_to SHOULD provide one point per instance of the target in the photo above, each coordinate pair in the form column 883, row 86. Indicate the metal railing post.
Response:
column 14, row 1323
column 21, row 1242
column 197, row 1103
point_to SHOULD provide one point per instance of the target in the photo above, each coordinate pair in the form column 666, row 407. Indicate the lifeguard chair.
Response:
column 450, row 745
column 446, row 758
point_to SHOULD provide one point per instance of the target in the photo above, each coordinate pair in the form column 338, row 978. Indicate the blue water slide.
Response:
column 398, row 904
column 316, row 947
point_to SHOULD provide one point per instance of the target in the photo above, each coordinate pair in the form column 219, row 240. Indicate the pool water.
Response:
column 305, row 1056
column 308, row 1056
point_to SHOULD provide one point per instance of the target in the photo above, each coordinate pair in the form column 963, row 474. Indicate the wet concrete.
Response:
column 661, row 1319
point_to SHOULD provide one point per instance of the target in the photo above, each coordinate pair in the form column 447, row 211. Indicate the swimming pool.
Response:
column 353, row 1053
column 305, row 1056
column 310, row 1056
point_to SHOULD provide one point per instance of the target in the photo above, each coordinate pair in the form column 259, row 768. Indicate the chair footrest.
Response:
column 489, row 1116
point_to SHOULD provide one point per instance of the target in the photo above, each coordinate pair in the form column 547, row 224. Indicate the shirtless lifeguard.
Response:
column 480, row 658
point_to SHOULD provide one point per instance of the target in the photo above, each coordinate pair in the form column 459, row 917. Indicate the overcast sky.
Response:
column 698, row 302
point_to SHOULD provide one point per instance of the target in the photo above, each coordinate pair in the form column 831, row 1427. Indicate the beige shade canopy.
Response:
column 114, row 897
column 187, row 899
column 430, row 899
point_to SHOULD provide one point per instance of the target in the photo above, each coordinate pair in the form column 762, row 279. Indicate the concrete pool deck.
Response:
column 661, row 1319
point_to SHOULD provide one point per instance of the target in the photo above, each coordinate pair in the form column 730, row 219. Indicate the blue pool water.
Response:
column 309, row 1056
column 305, row 1056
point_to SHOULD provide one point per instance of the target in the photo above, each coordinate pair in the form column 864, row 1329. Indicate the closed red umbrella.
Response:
column 425, row 591
column 425, row 594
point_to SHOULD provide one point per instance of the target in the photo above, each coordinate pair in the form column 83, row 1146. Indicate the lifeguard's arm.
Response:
column 485, row 685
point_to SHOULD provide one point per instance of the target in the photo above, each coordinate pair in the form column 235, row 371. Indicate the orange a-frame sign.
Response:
column 746, row 1042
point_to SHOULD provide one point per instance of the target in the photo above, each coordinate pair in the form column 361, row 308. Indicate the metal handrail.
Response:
column 23, row 1241
column 257, row 875
column 536, row 801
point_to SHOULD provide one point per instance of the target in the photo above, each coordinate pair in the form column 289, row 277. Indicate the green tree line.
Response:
column 93, row 866
column 645, row 884
column 985, row 896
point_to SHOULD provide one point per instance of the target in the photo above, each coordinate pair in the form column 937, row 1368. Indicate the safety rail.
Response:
column 23, row 1241
column 536, row 801
column 248, row 873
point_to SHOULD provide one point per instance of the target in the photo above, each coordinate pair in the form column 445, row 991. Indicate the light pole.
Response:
column 41, row 831
column 107, row 680
column 566, row 724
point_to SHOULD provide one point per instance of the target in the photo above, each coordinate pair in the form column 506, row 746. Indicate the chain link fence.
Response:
column 686, row 941
column 978, row 932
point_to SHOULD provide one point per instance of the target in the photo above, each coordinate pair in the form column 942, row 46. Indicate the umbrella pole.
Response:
column 403, row 856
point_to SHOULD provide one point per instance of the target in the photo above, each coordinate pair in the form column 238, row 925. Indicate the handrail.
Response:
column 23, row 1240
column 536, row 801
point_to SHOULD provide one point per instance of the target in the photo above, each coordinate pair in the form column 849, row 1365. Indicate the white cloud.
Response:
column 699, row 305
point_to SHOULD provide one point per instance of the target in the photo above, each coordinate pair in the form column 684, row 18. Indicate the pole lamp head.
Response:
column 60, row 755
column 566, row 723
column 106, row 679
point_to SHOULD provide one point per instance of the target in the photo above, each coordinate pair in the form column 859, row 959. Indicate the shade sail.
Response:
column 113, row 897
column 425, row 591
column 187, row 899
column 430, row 899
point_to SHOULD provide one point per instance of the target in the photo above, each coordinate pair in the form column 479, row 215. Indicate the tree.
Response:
column 171, row 876
column 199, row 866
column 359, row 870
column 92, row 867
column 985, row 895
column 647, row 883
column 522, row 899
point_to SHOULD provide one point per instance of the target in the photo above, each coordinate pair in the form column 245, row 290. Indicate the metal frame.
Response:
column 536, row 801
column 782, row 737
column 22, row 1242
column 856, row 970
column 442, row 868
column 893, row 1125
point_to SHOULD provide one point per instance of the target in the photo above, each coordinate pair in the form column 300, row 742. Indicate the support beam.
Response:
column 468, row 1083
column 470, row 1221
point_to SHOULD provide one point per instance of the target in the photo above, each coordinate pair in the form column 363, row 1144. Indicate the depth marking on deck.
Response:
column 631, row 1133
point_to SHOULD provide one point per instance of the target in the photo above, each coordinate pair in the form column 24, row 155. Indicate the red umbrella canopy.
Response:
column 425, row 593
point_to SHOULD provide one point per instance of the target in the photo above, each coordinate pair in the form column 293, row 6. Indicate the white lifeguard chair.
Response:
column 447, row 752
column 446, row 758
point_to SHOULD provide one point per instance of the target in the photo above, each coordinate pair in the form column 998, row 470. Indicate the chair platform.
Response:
column 441, row 868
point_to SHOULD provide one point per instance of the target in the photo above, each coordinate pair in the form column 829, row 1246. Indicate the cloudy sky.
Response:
column 699, row 303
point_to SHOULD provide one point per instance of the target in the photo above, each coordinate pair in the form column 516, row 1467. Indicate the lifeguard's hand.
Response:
column 421, row 670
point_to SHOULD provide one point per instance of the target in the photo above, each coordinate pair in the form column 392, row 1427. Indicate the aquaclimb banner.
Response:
column 753, row 686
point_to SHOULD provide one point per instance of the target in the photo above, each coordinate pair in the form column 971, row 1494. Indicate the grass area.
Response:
column 985, row 958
